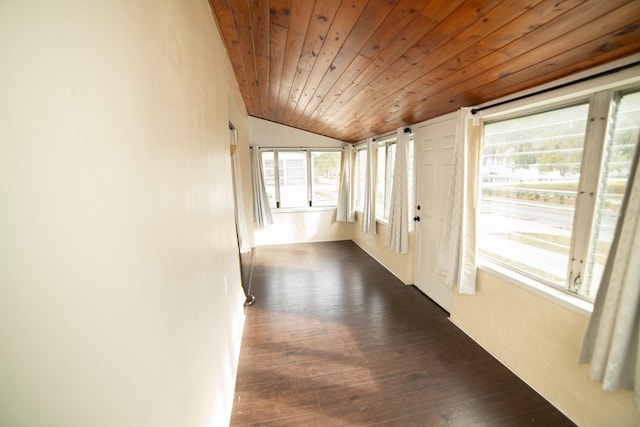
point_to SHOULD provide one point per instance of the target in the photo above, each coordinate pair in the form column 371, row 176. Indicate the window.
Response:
column 552, row 185
column 391, row 163
column 303, row 178
column 325, row 168
column 612, row 185
column 529, row 173
column 383, row 187
column 292, row 173
column 386, row 158
column 268, row 162
column 360, row 177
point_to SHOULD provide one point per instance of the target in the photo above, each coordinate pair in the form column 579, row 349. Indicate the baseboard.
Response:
column 512, row 371
column 381, row 263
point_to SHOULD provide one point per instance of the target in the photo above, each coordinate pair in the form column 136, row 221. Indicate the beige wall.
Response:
column 120, row 298
column 303, row 226
column 401, row 265
column 269, row 134
column 539, row 341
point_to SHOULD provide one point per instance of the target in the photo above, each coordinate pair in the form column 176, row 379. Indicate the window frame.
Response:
column 598, row 134
column 308, row 151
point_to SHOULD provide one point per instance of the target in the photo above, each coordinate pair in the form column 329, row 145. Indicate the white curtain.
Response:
column 261, row 208
column 456, row 264
column 611, row 341
column 369, row 208
column 398, row 230
column 241, row 219
column 345, row 211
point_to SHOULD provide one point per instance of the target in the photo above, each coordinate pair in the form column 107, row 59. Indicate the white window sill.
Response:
column 570, row 302
column 312, row 209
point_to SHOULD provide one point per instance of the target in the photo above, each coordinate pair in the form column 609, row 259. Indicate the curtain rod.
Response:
column 390, row 134
column 265, row 148
column 560, row 86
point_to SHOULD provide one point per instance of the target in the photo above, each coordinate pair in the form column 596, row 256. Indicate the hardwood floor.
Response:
column 335, row 339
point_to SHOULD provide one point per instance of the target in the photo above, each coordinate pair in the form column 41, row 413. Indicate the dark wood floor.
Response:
column 335, row 339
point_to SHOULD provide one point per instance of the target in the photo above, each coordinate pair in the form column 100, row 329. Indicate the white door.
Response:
column 434, row 155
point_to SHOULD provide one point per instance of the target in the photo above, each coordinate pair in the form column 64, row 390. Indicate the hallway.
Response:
column 335, row 339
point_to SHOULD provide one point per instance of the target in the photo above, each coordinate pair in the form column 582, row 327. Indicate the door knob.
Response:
column 416, row 218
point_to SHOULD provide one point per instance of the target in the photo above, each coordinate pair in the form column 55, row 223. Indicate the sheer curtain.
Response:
column 456, row 264
column 261, row 208
column 241, row 220
column 398, row 230
column 345, row 211
column 611, row 341
column 369, row 208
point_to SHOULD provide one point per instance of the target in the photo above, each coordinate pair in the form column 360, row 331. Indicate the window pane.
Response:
column 326, row 177
column 391, row 164
column 613, row 181
column 530, row 173
column 293, row 179
column 269, row 177
column 360, row 176
column 380, row 184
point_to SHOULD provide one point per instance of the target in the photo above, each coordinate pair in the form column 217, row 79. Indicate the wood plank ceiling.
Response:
column 351, row 69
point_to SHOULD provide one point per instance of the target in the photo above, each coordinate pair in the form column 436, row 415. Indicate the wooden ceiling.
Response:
column 350, row 69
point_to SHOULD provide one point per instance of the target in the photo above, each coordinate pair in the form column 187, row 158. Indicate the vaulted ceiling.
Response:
column 350, row 69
